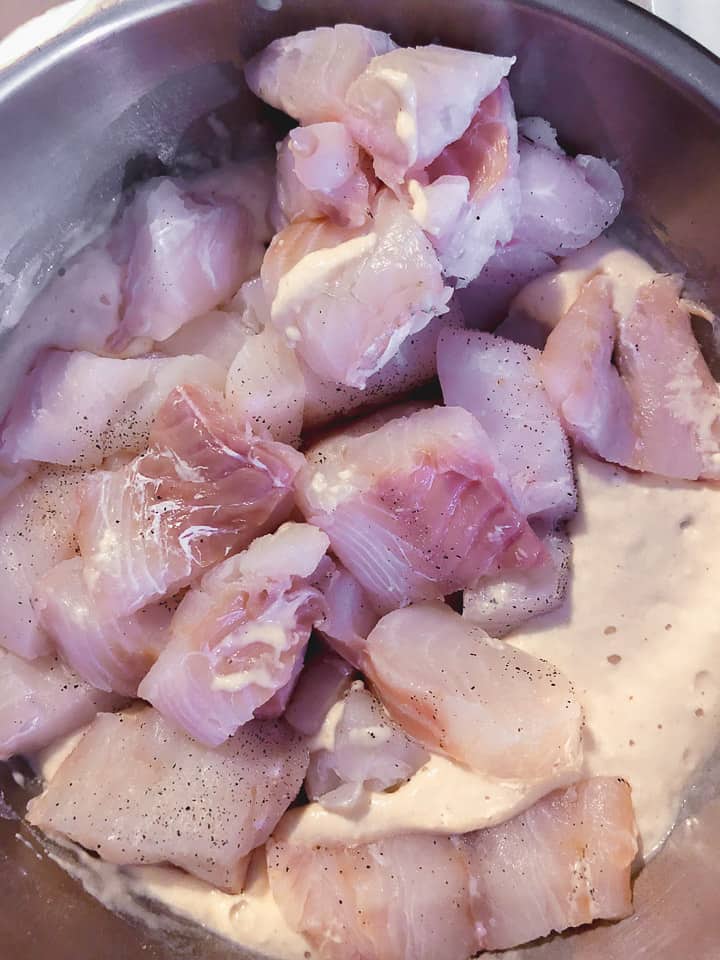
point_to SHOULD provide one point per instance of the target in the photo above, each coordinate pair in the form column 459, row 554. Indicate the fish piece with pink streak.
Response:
column 42, row 701
column 565, row 202
column 563, row 863
column 499, row 382
column 38, row 525
column 320, row 174
column 77, row 409
column 366, row 752
column 137, row 791
column 184, row 257
column 409, row 104
column 400, row 898
column 206, row 486
column 542, row 303
column 418, row 508
column 346, row 299
column 239, row 637
column 307, row 75
column 635, row 389
column 471, row 201
column 111, row 653
column 453, row 688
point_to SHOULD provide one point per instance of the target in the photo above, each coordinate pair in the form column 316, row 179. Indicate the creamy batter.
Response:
column 639, row 636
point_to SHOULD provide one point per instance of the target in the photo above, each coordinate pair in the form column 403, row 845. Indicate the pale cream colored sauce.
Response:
column 639, row 636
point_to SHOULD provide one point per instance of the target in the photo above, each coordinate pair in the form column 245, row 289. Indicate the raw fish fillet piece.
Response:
column 350, row 614
column 501, row 603
column 320, row 174
column 135, row 790
column 41, row 702
column 452, row 687
column 217, row 335
column 635, row 390
column 266, row 386
column 401, row 898
column 38, row 523
column 564, row 862
column 185, row 258
column 249, row 182
column 346, row 299
column 540, row 306
column 111, row 653
column 486, row 301
column 417, row 508
column 77, row 409
column 566, row 202
column 411, row 103
column 412, row 366
column 368, row 752
column 240, row 636
column 206, row 487
column 308, row 75
column 323, row 681
column 79, row 309
column 498, row 382
column 471, row 202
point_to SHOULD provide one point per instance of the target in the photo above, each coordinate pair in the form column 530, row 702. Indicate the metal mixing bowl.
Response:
column 132, row 90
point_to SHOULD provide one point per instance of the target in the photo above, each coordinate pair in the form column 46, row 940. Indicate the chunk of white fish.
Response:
column 165, row 798
column 501, row 711
column 42, row 701
column 417, row 508
column 239, row 636
column 499, row 382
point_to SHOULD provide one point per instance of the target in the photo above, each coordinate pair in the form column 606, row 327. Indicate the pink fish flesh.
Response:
column 346, row 299
column 166, row 799
column 206, row 487
column 635, row 390
column 566, row 202
column 38, row 525
column 472, row 200
column 369, row 752
column 502, row 602
column 416, row 509
column 307, row 75
column 564, row 862
column 111, row 653
column 43, row 701
column 453, row 688
column 499, row 383
column 239, row 637
column 77, row 409
column 320, row 174
column 322, row 682
column 411, row 103
column 186, row 257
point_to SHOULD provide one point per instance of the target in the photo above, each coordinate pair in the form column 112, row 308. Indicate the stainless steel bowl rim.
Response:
column 638, row 31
